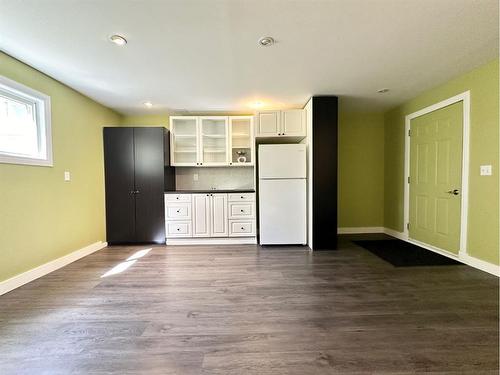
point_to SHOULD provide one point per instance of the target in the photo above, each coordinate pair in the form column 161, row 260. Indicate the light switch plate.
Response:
column 67, row 176
column 195, row 176
column 485, row 170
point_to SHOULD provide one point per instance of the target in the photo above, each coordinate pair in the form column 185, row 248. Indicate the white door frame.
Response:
column 464, row 191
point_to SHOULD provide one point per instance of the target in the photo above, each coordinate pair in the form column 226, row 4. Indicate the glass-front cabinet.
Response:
column 205, row 141
column 214, row 141
column 241, row 141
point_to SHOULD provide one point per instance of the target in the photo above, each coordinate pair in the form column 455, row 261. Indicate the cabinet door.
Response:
column 201, row 215
column 268, row 124
column 149, row 184
column 184, row 141
column 119, row 180
column 219, row 226
column 241, row 141
column 293, row 122
column 213, row 141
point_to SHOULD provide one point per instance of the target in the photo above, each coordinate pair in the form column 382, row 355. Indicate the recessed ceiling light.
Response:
column 118, row 40
column 266, row 41
column 383, row 91
column 148, row 104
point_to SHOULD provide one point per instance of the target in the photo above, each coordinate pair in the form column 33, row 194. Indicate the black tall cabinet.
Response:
column 135, row 162
column 324, row 176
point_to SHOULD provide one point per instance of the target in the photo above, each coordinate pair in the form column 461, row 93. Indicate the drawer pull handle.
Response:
column 178, row 211
column 177, row 198
column 242, row 197
column 242, row 211
column 178, row 229
column 242, row 228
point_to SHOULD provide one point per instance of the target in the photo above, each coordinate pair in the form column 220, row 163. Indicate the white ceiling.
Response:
column 202, row 55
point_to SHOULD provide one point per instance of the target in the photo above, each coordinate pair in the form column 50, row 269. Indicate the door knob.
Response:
column 454, row 192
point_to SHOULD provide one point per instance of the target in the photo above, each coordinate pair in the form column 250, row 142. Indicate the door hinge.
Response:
column 408, row 226
column 409, row 132
column 408, row 179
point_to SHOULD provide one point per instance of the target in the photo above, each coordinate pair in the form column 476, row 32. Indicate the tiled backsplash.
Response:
column 218, row 178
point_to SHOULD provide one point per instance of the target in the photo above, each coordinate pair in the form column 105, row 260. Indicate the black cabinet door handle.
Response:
column 178, row 211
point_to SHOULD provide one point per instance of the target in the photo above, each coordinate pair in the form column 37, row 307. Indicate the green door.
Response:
column 435, row 177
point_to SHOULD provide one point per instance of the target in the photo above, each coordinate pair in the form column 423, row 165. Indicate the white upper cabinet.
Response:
column 293, row 122
column 268, row 123
column 241, row 141
column 288, row 123
column 184, row 141
column 211, row 141
column 214, row 141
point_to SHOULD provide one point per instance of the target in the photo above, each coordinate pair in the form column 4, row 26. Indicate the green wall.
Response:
column 146, row 120
column 361, row 169
column 483, row 220
column 41, row 216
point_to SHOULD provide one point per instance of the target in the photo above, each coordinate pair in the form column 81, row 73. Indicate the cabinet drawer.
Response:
column 177, row 197
column 179, row 229
column 241, row 197
column 178, row 211
column 241, row 228
column 241, row 210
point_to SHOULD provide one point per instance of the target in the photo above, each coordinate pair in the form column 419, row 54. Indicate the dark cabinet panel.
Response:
column 149, row 184
column 134, row 160
column 119, row 175
column 324, row 140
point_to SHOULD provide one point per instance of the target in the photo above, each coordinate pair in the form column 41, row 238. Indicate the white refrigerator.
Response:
column 282, row 194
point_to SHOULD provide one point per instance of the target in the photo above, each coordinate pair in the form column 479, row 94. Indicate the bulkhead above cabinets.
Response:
column 212, row 141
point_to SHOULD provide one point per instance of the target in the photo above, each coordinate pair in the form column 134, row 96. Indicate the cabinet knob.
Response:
column 242, row 211
column 177, row 198
column 242, row 228
column 242, row 197
column 178, row 211
column 178, row 229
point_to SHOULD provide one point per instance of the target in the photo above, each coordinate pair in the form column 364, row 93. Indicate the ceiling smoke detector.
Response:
column 266, row 41
column 383, row 91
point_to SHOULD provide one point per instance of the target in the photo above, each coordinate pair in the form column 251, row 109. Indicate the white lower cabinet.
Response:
column 201, row 215
column 210, row 215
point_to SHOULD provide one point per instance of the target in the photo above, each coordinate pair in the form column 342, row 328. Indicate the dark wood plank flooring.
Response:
column 251, row 310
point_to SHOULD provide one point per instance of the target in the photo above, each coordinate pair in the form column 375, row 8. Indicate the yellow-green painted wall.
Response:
column 41, row 216
column 146, row 120
column 483, row 219
column 361, row 169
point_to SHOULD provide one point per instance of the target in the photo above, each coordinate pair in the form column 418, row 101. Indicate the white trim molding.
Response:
column 212, row 241
column 37, row 272
column 354, row 230
column 465, row 98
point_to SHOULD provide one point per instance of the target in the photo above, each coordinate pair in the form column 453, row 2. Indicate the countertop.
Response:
column 210, row 191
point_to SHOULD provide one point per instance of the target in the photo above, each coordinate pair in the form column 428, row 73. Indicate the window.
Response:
column 25, row 136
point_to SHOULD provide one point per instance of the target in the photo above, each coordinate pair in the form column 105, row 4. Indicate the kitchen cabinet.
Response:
column 241, row 141
column 201, row 215
column 212, row 141
column 210, row 215
column 288, row 123
column 134, row 167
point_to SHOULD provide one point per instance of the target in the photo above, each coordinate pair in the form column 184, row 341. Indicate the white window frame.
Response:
column 43, row 123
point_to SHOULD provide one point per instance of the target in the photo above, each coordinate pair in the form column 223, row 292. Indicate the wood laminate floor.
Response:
column 250, row 310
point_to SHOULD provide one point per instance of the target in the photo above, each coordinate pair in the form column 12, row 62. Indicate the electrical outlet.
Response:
column 67, row 176
column 485, row 170
column 195, row 176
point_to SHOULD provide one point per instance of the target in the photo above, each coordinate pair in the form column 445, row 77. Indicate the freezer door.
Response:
column 282, row 161
column 282, row 212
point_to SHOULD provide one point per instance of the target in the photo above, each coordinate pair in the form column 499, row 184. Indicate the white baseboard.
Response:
column 355, row 230
column 44, row 269
column 213, row 241
column 464, row 258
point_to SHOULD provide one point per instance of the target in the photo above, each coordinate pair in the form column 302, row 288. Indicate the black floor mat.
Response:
column 404, row 254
